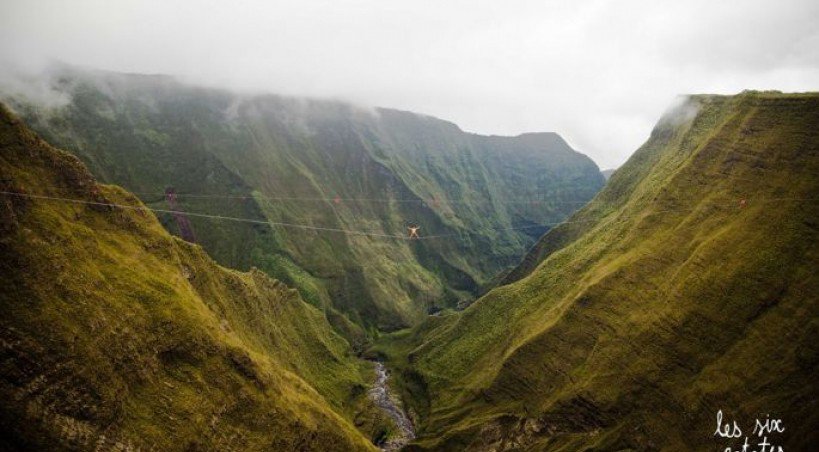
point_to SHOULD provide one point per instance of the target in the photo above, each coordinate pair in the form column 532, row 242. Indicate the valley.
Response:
column 187, row 268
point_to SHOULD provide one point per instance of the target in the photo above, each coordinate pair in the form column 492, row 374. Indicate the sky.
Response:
column 600, row 73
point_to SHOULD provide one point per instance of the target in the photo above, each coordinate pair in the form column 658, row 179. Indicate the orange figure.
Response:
column 742, row 203
column 413, row 231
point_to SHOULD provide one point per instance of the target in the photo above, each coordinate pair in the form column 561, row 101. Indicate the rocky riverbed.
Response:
column 381, row 396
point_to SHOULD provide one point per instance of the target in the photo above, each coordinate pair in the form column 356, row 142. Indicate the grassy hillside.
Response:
column 663, row 301
column 287, row 160
column 114, row 335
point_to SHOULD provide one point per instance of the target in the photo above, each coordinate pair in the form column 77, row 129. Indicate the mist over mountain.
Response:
column 366, row 174
column 599, row 73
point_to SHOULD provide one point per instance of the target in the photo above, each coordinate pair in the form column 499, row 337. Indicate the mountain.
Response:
column 114, row 335
column 607, row 173
column 685, row 288
column 360, row 176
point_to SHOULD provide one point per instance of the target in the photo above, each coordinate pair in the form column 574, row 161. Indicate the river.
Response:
column 380, row 394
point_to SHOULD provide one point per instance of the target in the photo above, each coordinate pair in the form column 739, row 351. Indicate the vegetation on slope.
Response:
column 666, row 299
column 252, row 155
column 114, row 335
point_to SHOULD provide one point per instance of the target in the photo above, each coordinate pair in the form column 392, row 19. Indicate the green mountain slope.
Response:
column 114, row 335
column 663, row 301
column 286, row 160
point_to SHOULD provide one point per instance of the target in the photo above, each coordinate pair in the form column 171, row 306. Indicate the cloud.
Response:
column 682, row 110
column 17, row 84
column 599, row 73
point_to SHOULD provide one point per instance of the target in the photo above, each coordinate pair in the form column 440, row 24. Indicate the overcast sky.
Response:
column 598, row 72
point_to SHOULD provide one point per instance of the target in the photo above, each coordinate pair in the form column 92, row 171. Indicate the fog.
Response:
column 600, row 73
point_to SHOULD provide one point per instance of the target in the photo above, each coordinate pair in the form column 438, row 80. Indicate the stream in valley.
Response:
column 380, row 394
